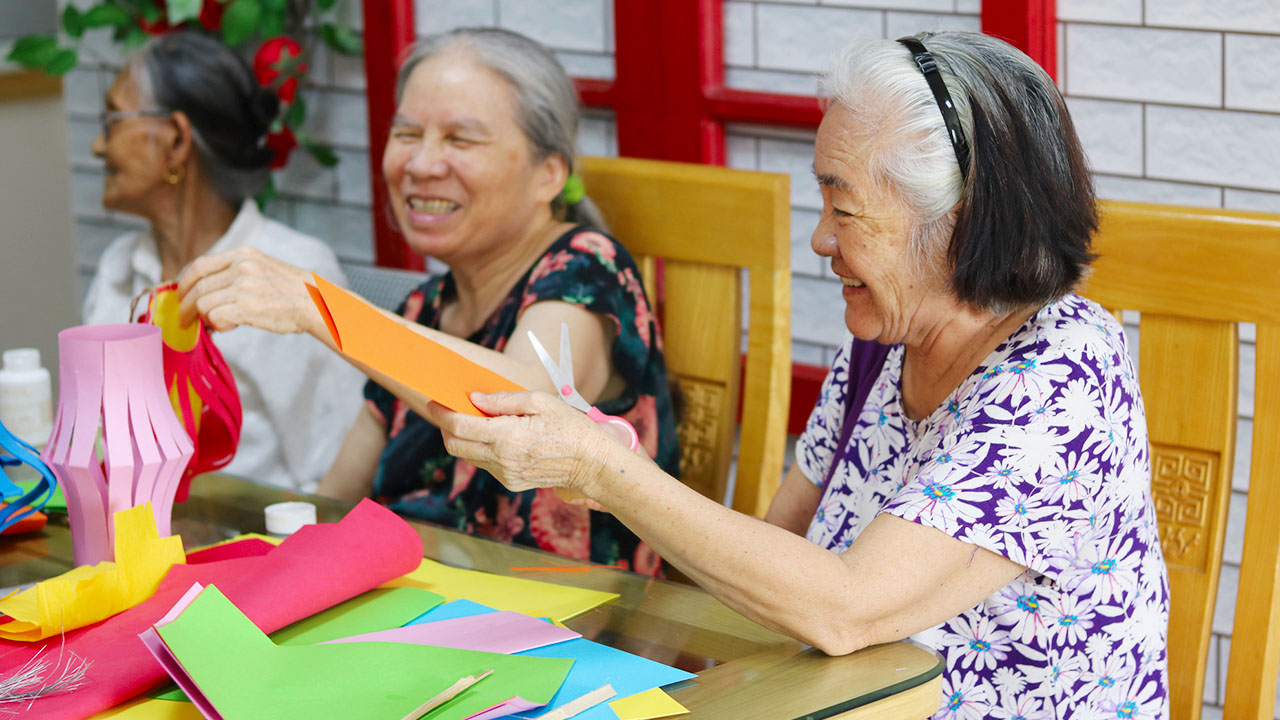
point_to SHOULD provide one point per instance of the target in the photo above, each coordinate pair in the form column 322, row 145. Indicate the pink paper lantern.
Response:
column 111, row 378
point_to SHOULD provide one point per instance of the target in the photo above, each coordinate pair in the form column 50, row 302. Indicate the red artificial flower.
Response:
column 211, row 14
column 281, row 143
column 270, row 63
column 161, row 25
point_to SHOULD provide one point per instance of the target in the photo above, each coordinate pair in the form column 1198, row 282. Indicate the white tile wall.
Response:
column 1171, row 66
column 1105, row 11
column 1218, row 147
column 799, row 40
column 1260, row 16
column 1111, row 132
column 1253, row 82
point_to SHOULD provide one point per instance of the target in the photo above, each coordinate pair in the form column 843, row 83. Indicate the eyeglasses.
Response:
column 929, row 67
column 111, row 117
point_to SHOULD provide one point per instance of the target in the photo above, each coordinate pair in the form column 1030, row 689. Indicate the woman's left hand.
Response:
column 533, row 441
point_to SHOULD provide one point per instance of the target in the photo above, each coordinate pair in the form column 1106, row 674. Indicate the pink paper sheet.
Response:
column 151, row 639
column 316, row 568
column 504, row 632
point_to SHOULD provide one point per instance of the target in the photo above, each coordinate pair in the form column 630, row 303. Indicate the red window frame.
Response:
column 680, row 117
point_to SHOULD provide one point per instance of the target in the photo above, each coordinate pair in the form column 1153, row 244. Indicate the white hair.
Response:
column 901, row 129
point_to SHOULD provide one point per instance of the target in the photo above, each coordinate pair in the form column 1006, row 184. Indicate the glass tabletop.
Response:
column 745, row 670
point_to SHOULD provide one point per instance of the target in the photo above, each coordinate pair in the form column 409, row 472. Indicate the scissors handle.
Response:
column 599, row 417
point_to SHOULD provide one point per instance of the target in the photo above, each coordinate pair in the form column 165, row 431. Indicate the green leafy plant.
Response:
column 269, row 32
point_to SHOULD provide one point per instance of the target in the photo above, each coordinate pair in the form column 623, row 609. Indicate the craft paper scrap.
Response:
column 312, row 570
column 647, row 705
column 245, row 676
column 537, row 599
column 598, row 665
column 57, row 504
column 86, row 595
column 372, row 339
column 378, row 609
column 499, row 632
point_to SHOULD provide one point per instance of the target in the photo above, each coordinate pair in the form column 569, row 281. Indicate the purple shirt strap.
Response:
column 866, row 359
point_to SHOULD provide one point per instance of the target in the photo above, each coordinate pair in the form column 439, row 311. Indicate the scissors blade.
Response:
column 566, row 355
column 553, row 370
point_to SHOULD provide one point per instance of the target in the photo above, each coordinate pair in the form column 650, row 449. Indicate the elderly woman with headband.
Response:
column 976, row 472
column 480, row 154
column 184, row 147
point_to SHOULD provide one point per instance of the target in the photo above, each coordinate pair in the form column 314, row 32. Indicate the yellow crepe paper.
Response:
column 539, row 599
column 88, row 594
column 647, row 705
column 164, row 315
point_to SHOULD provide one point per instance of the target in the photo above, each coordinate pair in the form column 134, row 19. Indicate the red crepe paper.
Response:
column 201, row 386
column 314, row 569
column 249, row 547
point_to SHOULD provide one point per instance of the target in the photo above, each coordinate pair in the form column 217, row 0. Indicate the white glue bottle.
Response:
column 26, row 403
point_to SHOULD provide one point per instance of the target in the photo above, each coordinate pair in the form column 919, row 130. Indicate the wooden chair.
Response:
column 708, row 225
column 1194, row 275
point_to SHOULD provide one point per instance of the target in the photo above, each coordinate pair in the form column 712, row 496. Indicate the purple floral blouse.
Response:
column 1039, row 456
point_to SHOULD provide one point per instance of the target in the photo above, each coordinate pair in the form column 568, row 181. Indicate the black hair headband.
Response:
column 929, row 67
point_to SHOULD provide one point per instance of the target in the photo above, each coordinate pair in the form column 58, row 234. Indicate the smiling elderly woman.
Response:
column 975, row 473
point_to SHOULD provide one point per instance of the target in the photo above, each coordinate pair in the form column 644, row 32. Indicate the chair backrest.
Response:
column 384, row 287
column 707, row 225
column 1194, row 275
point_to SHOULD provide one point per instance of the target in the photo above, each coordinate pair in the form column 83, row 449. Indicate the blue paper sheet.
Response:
column 451, row 610
column 598, row 665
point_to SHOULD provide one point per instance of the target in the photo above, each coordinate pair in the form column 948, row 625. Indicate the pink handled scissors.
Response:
column 562, row 376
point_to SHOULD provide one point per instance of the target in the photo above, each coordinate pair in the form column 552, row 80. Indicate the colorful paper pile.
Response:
column 314, row 569
column 231, row 670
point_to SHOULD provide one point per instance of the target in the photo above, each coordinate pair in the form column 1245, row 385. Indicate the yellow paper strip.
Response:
column 539, row 599
column 647, row 705
column 86, row 595
column 152, row 709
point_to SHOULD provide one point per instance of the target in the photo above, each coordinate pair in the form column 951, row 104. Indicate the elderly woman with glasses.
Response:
column 975, row 473
column 183, row 146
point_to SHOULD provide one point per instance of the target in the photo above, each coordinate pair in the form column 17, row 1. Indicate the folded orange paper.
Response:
column 419, row 363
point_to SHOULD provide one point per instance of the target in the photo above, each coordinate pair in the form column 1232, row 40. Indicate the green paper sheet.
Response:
column 378, row 609
column 246, row 676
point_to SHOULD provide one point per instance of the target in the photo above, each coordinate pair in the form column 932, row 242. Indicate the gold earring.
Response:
column 175, row 175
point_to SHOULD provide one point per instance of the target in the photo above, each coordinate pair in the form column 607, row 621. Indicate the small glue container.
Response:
column 284, row 518
column 26, row 403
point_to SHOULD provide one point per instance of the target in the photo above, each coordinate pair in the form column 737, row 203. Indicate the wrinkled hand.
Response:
column 247, row 287
column 533, row 441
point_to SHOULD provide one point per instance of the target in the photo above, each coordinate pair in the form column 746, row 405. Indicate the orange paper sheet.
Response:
column 87, row 594
column 424, row 366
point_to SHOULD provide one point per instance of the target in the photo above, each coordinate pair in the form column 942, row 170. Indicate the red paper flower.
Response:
column 272, row 61
column 211, row 12
column 281, row 143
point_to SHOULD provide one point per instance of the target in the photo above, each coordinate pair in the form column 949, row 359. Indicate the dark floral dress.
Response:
column 417, row 476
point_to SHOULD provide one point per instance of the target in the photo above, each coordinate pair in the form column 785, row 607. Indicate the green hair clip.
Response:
column 573, row 190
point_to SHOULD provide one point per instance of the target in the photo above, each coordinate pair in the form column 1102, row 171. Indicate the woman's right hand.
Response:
column 246, row 287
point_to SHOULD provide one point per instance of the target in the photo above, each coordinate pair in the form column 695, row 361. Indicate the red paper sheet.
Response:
column 316, row 568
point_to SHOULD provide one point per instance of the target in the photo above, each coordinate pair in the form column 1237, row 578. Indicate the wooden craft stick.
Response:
column 450, row 693
column 582, row 704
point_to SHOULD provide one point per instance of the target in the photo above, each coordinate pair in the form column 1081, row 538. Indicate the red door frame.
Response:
column 668, row 98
